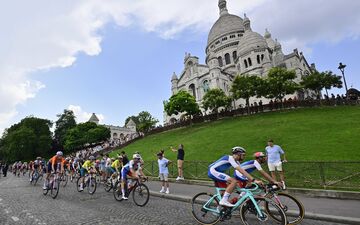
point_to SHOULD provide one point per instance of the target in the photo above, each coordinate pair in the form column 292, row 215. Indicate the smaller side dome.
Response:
column 250, row 41
column 174, row 77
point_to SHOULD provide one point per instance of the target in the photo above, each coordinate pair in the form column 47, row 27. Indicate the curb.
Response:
column 348, row 195
column 308, row 215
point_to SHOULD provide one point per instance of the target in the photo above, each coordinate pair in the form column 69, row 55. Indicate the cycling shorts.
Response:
column 218, row 176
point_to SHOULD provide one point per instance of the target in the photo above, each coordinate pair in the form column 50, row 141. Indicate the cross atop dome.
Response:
column 222, row 7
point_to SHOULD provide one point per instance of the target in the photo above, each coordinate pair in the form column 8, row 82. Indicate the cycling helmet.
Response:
column 59, row 153
column 238, row 149
column 136, row 156
column 259, row 155
column 38, row 158
column 67, row 159
column 92, row 158
column 97, row 161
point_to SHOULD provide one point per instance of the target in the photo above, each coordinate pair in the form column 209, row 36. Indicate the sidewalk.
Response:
column 333, row 210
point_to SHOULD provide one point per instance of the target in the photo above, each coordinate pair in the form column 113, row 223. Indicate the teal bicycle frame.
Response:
column 248, row 195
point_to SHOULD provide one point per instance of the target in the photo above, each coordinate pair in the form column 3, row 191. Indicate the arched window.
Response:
column 262, row 57
column 249, row 61
column 220, row 61
column 234, row 55
column 192, row 90
column 206, row 86
column 258, row 59
column 227, row 58
column 245, row 62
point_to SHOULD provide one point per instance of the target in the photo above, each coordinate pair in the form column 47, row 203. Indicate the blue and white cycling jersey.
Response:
column 217, row 169
column 127, row 168
column 249, row 167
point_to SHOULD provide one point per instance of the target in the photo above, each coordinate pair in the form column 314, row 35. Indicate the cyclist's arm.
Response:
column 267, row 176
column 246, row 174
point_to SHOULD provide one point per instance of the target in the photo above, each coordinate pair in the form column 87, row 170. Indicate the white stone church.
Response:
column 233, row 48
column 118, row 133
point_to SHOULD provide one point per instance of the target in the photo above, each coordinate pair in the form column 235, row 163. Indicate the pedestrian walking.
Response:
column 163, row 172
column 180, row 161
column 274, row 153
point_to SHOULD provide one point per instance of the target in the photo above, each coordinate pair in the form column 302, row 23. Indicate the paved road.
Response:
column 21, row 203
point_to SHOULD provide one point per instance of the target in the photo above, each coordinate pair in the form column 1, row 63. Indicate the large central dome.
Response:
column 227, row 23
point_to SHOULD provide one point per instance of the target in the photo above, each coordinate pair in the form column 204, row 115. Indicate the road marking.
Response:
column 15, row 218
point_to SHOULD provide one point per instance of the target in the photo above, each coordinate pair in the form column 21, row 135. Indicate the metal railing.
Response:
column 326, row 175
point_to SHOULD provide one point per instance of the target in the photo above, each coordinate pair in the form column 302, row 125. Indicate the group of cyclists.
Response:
column 105, row 167
column 242, row 172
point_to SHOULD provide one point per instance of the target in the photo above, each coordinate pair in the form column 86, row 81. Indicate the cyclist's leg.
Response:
column 222, row 177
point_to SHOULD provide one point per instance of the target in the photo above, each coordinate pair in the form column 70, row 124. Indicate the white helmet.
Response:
column 136, row 156
column 59, row 153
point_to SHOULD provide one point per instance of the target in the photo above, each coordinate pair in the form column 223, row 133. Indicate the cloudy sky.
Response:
column 116, row 57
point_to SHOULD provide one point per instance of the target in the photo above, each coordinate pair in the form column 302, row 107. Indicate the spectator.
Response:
column 261, row 106
column 163, row 172
column 125, row 158
column 180, row 161
column 5, row 169
column 274, row 153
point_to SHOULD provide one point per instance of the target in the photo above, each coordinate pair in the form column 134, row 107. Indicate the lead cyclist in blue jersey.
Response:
column 217, row 172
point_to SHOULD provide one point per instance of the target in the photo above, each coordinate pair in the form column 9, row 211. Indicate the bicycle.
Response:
column 205, row 208
column 89, row 182
column 110, row 182
column 293, row 208
column 64, row 178
column 140, row 192
column 35, row 177
column 54, row 185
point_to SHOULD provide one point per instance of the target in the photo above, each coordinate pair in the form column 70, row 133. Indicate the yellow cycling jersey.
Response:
column 116, row 164
column 88, row 164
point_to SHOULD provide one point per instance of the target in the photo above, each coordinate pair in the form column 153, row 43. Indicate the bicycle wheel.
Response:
column 141, row 194
column 117, row 191
column 250, row 216
column 293, row 208
column 45, row 191
column 108, row 184
column 91, row 185
column 64, row 180
column 54, row 191
column 35, row 178
column 78, row 184
column 202, row 214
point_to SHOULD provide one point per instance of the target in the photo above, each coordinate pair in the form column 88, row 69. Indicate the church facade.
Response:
column 233, row 48
column 118, row 133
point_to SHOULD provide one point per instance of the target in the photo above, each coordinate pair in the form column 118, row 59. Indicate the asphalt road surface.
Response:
column 22, row 203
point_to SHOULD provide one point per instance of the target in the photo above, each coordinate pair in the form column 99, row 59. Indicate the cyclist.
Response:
column 58, row 161
column 116, row 165
column 217, row 169
column 34, row 166
column 87, row 167
column 251, row 166
column 133, row 170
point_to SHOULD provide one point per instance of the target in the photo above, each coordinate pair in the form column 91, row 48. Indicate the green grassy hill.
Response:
column 311, row 134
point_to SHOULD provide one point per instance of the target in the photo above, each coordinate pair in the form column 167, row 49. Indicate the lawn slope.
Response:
column 311, row 134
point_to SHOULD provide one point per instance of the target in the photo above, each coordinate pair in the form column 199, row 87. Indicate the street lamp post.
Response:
column 342, row 69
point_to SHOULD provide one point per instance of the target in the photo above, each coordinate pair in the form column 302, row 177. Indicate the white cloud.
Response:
column 82, row 116
column 45, row 34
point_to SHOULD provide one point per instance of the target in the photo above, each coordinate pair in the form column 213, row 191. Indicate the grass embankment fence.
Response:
column 339, row 175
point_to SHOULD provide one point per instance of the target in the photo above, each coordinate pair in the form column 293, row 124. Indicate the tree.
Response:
column 320, row 80
column 85, row 133
column 65, row 122
column 181, row 102
column 26, row 140
column 145, row 121
column 279, row 82
column 214, row 99
column 245, row 87
column 331, row 80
